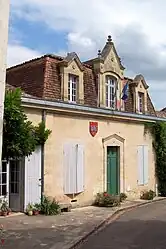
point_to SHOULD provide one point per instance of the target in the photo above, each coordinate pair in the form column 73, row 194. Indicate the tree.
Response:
column 20, row 136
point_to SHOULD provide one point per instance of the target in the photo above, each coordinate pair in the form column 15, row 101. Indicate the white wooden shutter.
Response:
column 33, row 177
column 80, row 168
column 140, row 165
column 69, row 165
column 145, row 157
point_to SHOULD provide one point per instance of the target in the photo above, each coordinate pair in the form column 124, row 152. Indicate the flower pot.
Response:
column 4, row 213
column 30, row 213
column 9, row 211
column 35, row 212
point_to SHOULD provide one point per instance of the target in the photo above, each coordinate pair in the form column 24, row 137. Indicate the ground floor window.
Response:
column 3, row 179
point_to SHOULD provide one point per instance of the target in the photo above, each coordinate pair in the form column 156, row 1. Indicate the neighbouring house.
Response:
column 97, row 141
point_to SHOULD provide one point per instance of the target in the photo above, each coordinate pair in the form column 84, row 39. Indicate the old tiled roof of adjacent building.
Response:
column 161, row 113
column 41, row 78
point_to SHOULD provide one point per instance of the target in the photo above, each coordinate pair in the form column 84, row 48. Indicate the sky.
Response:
column 137, row 27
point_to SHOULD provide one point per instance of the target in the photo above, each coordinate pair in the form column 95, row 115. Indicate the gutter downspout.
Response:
column 42, row 159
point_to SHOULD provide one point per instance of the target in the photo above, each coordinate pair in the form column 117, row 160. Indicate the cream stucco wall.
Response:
column 126, row 135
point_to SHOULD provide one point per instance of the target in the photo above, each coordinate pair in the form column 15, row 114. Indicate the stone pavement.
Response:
column 55, row 232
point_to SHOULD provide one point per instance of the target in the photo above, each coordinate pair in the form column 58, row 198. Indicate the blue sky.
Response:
column 37, row 36
column 39, row 27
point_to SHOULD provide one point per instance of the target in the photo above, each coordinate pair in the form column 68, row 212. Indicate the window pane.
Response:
column 110, row 92
column 16, row 188
column 17, row 176
column 4, row 178
column 12, row 188
column 72, row 87
column 4, row 167
column 12, row 176
column 4, row 192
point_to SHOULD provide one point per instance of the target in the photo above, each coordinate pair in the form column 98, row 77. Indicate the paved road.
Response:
column 141, row 228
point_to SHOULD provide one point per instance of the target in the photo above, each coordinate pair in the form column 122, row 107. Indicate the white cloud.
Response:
column 137, row 27
column 17, row 54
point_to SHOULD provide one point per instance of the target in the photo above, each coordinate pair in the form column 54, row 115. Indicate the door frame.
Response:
column 20, row 194
column 117, row 169
column 114, row 140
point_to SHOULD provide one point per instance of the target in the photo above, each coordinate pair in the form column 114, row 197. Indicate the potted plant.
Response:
column 4, row 208
column 9, row 211
column 36, row 209
column 29, row 209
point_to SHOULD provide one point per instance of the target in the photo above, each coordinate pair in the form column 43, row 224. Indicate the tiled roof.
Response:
column 161, row 114
column 41, row 78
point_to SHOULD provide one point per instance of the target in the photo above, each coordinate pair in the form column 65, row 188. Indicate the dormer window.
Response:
column 110, row 92
column 72, row 88
column 140, row 102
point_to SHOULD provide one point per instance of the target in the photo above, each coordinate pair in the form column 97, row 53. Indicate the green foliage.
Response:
column 147, row 195
column 123, row 197
column 41, row 133
column 20, row 136
column 106, row 200
column 158, row 132
column 49, row 207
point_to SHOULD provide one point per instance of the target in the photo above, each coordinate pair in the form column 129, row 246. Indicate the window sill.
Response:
column 113, row 109
column 72, row 102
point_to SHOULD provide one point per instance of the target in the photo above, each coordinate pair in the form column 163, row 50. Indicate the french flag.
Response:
column 125, row 92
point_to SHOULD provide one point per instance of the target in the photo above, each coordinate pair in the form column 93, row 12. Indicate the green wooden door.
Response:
column 113, row 173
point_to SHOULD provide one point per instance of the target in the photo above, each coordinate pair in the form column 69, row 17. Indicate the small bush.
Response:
column 106, row 200
column 49, row 207
column 123, row 197
column 147, row 195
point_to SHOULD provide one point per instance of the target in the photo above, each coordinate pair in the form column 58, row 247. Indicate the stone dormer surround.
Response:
column 72, row 65
column 107, row 63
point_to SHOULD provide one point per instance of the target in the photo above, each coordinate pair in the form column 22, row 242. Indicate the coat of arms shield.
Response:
column 93, row 128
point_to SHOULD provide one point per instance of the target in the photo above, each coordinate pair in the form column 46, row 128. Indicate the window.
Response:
column 142, row 164
column 73, row 168
column 14, row 177
column 72, row 88
column 141, row 102
column 110, row 92
column 3, row 179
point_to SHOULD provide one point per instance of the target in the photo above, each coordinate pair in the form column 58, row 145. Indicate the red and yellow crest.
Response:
column 93, row 128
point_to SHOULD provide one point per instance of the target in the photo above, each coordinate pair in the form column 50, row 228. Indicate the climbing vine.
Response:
column 158, row 132
column 20, row 136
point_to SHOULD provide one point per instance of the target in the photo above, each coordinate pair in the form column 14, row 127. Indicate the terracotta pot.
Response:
column 9, row 212
column 4, row 213
column 35, row 212
column 30, row 213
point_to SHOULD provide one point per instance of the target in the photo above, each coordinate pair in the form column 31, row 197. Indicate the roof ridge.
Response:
column 35, row 59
